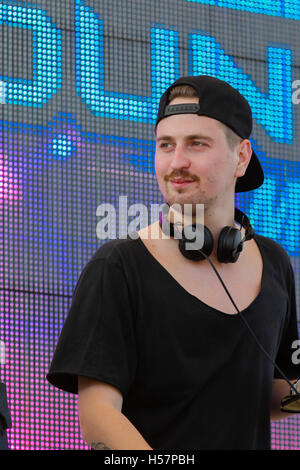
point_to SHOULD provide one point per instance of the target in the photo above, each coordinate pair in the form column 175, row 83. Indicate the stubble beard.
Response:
column 180, row 197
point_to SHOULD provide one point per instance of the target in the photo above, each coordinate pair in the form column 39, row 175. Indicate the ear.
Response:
column 244, row 153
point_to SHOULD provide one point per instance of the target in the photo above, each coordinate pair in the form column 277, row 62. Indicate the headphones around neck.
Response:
column 230, row 241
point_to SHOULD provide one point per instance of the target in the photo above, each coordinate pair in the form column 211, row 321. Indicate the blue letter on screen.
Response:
column 46, row 56
column 90, row 71
column 273, row 111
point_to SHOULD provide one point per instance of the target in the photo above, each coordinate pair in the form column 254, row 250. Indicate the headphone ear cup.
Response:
column 229, row 245
column 196, row 255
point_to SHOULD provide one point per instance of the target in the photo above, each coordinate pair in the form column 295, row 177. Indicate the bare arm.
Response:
column 103, row 426
column 280, row 389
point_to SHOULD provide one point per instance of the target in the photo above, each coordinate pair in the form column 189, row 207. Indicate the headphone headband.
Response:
column 244, row 221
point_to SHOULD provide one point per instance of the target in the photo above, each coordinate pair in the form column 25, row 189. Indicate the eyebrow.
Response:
column 188, row 137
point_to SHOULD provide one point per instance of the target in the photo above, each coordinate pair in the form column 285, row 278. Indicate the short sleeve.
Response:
column 285, row 359
column 98, row 337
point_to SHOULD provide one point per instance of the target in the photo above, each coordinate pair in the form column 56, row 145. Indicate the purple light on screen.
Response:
column 10, row 188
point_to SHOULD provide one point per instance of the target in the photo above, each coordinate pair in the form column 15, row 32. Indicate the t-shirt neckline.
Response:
column 196, row 299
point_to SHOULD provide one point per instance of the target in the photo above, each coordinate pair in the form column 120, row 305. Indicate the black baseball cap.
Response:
column 218, row 100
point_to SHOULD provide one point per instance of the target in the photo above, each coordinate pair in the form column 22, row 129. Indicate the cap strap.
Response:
column 187, row 108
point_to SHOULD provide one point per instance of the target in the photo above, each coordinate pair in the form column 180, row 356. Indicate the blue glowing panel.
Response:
column 283, row 8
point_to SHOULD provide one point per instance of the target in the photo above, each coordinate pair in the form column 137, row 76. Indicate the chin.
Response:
column 181, row 201
column 182, row 196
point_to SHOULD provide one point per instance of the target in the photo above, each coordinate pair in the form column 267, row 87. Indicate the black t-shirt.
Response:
column 192, row 377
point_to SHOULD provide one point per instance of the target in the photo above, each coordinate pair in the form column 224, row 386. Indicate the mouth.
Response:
column 180, row 183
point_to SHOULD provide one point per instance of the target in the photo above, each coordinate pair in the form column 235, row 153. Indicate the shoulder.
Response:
column 113, row 263
column 115, row 255
column 271, row 246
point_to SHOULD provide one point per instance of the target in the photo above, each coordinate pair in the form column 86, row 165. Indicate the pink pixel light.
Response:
column 9, row 181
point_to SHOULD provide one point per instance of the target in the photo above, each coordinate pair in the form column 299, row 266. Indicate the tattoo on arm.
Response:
column 99, row 446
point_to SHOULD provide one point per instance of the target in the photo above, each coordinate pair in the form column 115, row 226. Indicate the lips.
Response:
column 179, row 182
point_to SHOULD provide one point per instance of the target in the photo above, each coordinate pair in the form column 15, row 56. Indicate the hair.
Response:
column 186, row 91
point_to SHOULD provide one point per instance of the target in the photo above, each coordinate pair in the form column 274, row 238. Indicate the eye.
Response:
column 197, row 143
column 165, row 145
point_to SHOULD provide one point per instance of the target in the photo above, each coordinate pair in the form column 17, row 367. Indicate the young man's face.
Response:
column 193, row 162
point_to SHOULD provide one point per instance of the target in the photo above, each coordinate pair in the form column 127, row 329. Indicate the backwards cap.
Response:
column 220, row 101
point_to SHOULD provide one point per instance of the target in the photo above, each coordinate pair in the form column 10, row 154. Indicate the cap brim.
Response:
column 253, row 178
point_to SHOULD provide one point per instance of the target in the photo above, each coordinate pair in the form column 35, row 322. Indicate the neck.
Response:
column 214, row 218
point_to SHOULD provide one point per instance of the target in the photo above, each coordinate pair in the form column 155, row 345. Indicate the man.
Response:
column 152, row 343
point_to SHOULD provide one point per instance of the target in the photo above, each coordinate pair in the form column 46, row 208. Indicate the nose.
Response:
column 180, row 159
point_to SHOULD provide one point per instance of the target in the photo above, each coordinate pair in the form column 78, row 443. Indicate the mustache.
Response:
column 179, row 174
